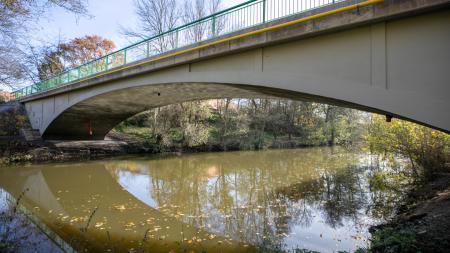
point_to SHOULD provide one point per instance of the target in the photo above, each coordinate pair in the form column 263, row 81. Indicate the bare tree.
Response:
column 159, row 16
column 195, row 10
column 17, row 19
column 155, row 17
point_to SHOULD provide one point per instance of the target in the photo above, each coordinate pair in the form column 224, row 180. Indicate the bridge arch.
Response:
column 94, row 117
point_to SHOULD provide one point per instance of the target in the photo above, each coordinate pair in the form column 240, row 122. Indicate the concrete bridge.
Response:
column 390, row 57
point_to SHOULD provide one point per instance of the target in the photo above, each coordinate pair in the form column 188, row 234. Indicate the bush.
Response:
column 393, row 240
column 428, row 150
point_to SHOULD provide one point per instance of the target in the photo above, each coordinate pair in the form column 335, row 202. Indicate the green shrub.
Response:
column 392, row 240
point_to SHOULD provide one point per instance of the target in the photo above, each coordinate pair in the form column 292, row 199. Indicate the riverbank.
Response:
column 17, row 151
column 115, row 143
column 422, row 223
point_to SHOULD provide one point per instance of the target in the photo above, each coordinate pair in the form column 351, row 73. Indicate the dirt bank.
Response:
column 42, row 151
column 422, row 223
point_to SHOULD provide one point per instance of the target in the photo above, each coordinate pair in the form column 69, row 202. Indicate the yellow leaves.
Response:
column 99, row 224
column 418, row 143
column 74, row 219
column 129, row 226
column 150, row 220
column 120, row 208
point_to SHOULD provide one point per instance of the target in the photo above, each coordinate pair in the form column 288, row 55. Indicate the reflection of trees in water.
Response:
column 339, row 195
column 388, row 180
column 343, row 196
column 258, row 197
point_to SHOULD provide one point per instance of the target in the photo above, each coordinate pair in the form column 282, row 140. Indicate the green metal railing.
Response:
column 242, row 16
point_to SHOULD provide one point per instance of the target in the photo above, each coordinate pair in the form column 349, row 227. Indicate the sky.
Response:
column 107, row 18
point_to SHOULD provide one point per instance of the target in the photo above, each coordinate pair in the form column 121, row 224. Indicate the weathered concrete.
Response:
column 390, row 58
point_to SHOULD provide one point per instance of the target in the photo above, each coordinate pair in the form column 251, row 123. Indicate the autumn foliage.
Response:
column 73, row 53
column 428, row 150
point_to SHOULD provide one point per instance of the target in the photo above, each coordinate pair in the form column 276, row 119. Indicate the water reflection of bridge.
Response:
column 121, row 221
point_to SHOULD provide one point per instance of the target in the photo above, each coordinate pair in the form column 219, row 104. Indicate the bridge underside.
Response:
column 398, row 67
column 95, row 117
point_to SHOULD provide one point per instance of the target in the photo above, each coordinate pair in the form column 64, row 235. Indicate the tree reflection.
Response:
column 258, row 198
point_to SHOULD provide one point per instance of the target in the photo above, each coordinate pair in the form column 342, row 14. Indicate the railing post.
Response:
column 176, row 39
column 124, row 57
column 264, row 10
column 107, row 62
column 213, row 26
column 148, row 49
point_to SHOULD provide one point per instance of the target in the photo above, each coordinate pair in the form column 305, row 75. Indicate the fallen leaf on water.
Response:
column 98, row 224
column 120, row 207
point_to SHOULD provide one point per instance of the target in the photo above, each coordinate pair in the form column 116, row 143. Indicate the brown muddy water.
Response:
column 248, row 201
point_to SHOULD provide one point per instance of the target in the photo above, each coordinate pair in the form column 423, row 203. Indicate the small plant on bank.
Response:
column 14, row 228
column 392, row 240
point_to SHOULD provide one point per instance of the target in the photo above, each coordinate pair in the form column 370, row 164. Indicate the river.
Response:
column 317, row 199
